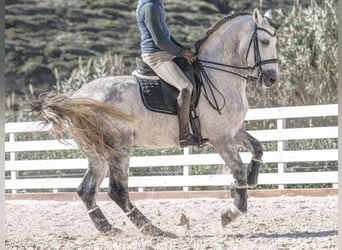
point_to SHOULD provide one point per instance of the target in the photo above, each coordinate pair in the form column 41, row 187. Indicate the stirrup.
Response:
column 202, row 141
column 191, row 140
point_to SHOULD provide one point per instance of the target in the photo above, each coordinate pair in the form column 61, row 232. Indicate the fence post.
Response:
column 186, row 169
column 13, row 157
column 281, row 146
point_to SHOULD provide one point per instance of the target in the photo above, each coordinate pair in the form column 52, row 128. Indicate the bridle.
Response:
column 201, row 73
column 257, row 58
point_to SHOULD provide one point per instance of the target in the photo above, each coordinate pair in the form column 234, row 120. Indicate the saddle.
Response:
column 159, row 96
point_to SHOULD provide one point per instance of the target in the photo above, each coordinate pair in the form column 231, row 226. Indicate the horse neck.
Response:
column 225, row 44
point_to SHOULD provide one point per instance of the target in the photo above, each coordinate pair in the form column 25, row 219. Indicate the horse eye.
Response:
column 265, row 41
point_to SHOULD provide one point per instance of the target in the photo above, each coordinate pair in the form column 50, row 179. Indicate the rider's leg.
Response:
column 183, row 110
column 161, row 62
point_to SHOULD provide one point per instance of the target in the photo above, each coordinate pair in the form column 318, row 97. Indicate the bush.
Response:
column 33, row 68
column 86, row 72
column 52, row 52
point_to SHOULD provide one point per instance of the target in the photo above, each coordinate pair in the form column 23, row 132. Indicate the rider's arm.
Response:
column 153, row 21
column 175, row 41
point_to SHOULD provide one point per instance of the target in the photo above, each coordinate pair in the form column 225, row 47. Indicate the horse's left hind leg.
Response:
column 118, row 192
column 88, row 190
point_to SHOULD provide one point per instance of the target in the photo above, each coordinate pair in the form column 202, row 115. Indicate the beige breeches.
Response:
column 161, row 63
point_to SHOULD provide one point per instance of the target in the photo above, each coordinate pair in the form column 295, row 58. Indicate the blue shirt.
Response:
column 155, row 35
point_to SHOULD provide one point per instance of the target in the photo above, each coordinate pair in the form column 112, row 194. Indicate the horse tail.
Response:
column 86, row 121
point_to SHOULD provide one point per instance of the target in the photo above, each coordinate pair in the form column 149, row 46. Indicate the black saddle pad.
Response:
column 158, row 95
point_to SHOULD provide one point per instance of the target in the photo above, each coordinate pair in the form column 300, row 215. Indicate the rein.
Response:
column 199, row 69
column 257, row 59
column 202, row 75
column 223, row 66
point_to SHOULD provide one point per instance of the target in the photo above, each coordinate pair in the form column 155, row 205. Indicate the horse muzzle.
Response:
column 268, row 78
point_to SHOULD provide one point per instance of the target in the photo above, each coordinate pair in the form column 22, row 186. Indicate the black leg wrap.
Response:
column 99, row 220
column 253, row 173
column 138, row 218
column 240, row 199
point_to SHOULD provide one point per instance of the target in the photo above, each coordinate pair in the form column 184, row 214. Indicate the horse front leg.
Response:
column 118, row 192
column 88, row 190
column 255, row 147
column 227, row 149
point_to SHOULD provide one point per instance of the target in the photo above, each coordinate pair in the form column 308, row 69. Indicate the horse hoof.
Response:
column 113, row 231
column 170, row 235
column 229, row 215
column 104, row 228
column 152, row 230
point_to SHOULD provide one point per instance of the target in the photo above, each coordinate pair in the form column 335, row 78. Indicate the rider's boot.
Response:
column 185, row 137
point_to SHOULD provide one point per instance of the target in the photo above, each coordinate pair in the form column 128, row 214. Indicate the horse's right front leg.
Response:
column 226, row 147
column 255, row 147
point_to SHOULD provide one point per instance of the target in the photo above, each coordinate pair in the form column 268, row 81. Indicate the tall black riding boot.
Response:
column 185, row 137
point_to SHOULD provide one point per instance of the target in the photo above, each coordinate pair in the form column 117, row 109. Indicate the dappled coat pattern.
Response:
column 106, row 118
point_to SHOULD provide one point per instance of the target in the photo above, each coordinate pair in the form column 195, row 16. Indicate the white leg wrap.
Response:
column 257, row 160
column 92, row 210
column 130, row 212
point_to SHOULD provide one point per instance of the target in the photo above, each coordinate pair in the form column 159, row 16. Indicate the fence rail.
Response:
column 281, row 156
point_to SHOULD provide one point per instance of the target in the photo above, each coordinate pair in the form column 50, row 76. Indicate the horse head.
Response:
column 239, row 43
column 261, row 52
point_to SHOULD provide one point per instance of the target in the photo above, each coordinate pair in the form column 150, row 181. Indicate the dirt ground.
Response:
column 271, row 223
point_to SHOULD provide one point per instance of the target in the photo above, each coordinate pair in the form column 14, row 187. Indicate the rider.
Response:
column 158, row 49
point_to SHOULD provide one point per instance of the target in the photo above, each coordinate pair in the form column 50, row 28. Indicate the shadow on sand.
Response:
column 296, row 235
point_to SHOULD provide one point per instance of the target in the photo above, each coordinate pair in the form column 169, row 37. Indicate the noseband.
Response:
column 257, row 58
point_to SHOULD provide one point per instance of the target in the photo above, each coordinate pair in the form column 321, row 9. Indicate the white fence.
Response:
column 280, row 157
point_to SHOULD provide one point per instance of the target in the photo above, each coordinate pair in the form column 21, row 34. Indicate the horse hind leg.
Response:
column 255, row 147
column 88, row 190
column 118, row 192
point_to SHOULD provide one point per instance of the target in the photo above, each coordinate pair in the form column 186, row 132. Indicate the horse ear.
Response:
column 257, row 17
column 268, row 14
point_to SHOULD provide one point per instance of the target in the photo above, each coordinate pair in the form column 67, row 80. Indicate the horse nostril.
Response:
column 273, row 79
column 269, row 77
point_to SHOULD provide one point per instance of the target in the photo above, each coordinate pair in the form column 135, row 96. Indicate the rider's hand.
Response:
column 189, row 56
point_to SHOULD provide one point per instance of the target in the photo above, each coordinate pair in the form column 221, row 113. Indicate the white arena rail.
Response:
column 281, row 157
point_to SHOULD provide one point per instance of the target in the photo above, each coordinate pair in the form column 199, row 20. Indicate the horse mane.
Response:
column 216, row 26
column 225, row 19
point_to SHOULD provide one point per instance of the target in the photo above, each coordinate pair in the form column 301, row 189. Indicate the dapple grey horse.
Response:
column 106, row 117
